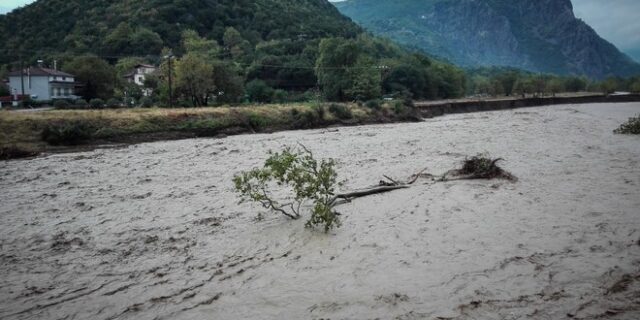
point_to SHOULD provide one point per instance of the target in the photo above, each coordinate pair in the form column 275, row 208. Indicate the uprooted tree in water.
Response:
column 307, row 180
column 479, row 167
column 632, row 126
column 291, row 179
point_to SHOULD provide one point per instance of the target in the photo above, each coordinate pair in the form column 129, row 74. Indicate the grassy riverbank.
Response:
column 29, row 133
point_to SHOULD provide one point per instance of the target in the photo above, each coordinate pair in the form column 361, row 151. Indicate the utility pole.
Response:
column 22, row 75
column 169, row 56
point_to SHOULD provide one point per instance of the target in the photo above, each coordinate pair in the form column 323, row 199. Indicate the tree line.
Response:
column 207, row 72
column 501, row 81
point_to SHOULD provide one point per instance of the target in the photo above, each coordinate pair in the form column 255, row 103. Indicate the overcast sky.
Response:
column 615, row 20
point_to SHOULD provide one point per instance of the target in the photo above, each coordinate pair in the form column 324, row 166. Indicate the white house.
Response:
column 139, row 74
column 42, row 84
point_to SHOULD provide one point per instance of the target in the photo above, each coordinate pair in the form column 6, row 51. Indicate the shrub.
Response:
column 340, row 111
column 280, row 96
column 27, row 102
column 66, row 133
column 96, row 103
column 259, row 91
column 399, row 108
column 183, row 103
column 306, row 119
column 114, row 103
column 81, row 104
column 308, row 179
column 258, row 121
column 373, row 105
column 61, row 104
column 146, row 102
column 405, row 112
column 635, row 87
column 320, row 111
column 630, row 127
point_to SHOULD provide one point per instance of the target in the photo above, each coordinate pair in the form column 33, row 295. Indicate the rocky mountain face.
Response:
column 536, row 35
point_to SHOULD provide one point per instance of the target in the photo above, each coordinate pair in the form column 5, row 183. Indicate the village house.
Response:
column 42, row 84
column 139, row 74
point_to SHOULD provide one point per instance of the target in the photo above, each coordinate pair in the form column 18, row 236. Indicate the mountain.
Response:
column 536, row 35
column 96, row 26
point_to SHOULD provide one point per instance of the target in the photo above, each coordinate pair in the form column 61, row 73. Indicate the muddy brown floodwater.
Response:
column 154, row 231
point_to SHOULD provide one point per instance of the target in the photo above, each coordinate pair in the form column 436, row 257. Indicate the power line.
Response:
column 224, row 55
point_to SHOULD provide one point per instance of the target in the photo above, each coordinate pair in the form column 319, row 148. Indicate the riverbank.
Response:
column 52, row 131
column 155, row 231
column 27, row 134
column 430, row 109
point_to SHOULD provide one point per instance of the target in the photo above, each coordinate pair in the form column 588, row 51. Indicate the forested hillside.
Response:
column 223, row 50
column 144, row 27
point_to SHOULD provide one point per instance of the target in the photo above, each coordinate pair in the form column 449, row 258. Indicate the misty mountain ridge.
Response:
column 541, row 35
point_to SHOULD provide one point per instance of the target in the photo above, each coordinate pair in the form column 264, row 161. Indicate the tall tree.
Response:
column 406, row 77
column 234, row 44
column 335, row 57
column 145, row 42
column 365, row 80
column 229, row 85
column 193, row 43
column 194, row 79
column 118, row 41
column 97, row 77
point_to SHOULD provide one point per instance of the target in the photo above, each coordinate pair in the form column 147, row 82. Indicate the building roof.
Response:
column 145, row 66
column 37, row 71
column 135, row 70
column 10, row 98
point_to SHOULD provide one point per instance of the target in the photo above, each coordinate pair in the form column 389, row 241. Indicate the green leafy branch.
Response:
column 309, row 180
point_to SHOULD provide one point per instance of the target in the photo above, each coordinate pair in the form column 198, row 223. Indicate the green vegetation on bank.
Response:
column 496, row 81
column 52, row 130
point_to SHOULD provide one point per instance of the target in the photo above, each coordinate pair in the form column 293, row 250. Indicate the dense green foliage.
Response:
column 96, row 75
column 144, row 27
column 97, row 103
column 363, row 68
column 307, row 179
column 4, row 90
column 61, row 104
column 497, row 81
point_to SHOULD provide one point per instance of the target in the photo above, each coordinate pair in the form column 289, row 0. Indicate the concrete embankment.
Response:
column 430, row 109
